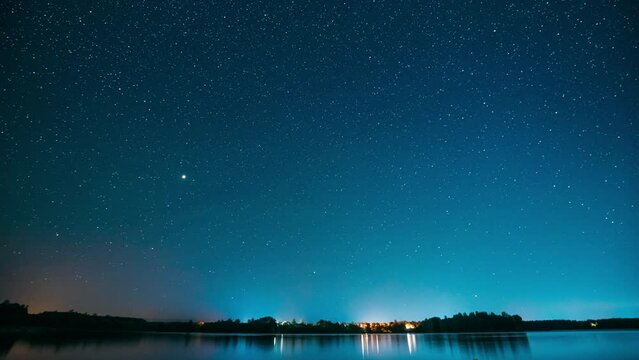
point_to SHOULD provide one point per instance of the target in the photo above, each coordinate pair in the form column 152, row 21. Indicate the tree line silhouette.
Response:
column 472, row 322
column 15, row 317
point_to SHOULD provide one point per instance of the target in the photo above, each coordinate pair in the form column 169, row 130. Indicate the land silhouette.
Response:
column 16, row 318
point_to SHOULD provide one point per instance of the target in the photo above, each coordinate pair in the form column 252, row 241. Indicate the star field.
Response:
column 366, row 160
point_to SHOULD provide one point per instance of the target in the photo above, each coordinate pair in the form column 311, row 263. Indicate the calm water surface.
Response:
column 541, row 345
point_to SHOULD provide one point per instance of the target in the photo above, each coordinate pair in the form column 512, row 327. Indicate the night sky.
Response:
column 360, row 160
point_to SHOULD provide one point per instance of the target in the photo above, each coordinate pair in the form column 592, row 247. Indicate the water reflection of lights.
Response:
column 410, row 339
column 281, row 347
column 380, row 343
column 369, row 342
column 371, row 345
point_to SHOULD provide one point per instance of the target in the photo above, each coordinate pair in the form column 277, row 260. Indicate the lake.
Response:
column 538, row 345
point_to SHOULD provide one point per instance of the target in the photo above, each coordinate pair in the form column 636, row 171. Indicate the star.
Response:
column 183, row 176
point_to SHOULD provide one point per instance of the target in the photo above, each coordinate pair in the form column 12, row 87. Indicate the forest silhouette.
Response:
column 16, row 317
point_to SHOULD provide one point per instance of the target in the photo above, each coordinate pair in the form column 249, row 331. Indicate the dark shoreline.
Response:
column 307, row 329
column 15, row 319
column 62, row 332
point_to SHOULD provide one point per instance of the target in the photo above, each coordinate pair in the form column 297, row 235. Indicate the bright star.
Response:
column 183, row 177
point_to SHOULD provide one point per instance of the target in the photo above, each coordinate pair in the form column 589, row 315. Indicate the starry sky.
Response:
column 358, row 160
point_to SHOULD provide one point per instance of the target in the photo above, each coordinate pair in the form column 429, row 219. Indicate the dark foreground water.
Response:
column 541, row 345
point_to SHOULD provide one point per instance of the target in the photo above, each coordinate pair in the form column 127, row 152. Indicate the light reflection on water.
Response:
column 381, row 343
column 557, row 345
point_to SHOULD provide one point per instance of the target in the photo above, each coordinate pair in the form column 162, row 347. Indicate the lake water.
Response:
column 539, row 345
